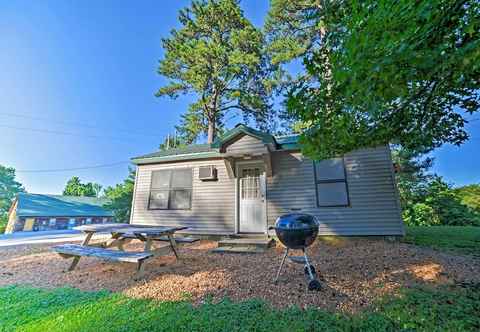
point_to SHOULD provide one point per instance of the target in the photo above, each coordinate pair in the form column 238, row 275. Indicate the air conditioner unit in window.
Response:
column 207, row 173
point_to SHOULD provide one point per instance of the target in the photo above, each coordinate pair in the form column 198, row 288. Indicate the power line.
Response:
column 80, row 124
column 55, row 132
column 72, row 169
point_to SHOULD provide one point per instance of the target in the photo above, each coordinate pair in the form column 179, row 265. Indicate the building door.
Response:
column 28, row 226
column 252, row 195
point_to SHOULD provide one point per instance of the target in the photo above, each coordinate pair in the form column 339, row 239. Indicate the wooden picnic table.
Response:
column 121, row 234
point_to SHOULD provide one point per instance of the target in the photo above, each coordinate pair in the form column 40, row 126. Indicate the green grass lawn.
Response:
column 460, row 239
column 31, row 309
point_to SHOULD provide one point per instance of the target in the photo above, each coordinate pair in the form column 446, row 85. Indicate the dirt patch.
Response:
column 356, row 272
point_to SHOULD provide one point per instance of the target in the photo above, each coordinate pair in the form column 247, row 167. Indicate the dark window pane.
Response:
column 332, row 193
column 161, row 179
column 249, row 172
column 158, row 199
column 182, row 178
column 180, row 199
column 330, row 169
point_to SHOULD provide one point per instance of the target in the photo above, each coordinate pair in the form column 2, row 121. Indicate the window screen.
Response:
column 171, row 189
column 331, row 183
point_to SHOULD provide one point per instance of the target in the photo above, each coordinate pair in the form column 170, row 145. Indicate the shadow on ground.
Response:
column 356, row 272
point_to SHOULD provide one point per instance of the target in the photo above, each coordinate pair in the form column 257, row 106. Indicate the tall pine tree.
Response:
column 218, row 56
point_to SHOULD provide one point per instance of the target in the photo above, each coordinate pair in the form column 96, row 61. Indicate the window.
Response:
column 72, row 222
column 331, row 183
column 52, row 222
column 171, row 190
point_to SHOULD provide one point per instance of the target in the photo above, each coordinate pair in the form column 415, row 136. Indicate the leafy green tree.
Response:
column 438, row 203
column 75, row 187
column 421, row 214
column 426, row 199
column 448, row 205
column 120, row 198
column 218, row 56
column 403, row 71
column 469, row 196
column 9, row 188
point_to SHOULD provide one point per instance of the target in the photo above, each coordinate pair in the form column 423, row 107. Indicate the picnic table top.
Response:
column 148, row 231
column 129, row 229
column 100, row 227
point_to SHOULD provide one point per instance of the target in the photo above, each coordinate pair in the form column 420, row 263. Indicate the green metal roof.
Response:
column 242, row 129
column 196, row 151
column 36, row 205
column 288, row 142
column 202, row 151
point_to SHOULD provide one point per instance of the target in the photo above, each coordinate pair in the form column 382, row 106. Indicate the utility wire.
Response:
column 79, row 124
column 55, row 132
column 71, row 169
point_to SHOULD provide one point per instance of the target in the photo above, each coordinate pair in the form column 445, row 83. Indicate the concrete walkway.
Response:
column 42, row 237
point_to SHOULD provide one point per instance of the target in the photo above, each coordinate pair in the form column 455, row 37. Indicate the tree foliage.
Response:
column 427, row 199
column 216, row 55
column 403, row 71
column 412, row 174
column 469, row 196
column 292, row 29
column 75, row 187
column 120, row 198
column 9, row 188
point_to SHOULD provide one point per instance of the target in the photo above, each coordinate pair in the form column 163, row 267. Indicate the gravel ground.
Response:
column 355, row 272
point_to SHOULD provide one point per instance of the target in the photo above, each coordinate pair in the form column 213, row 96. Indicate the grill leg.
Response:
column 281, row 266
column 308, row 265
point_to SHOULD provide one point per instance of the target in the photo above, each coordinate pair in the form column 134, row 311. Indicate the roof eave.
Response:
column 289, row 147
column 180, row 157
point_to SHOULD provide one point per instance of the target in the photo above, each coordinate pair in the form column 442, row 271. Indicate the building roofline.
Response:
column 214, row 150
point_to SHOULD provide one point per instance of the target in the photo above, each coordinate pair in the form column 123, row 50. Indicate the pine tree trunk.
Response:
column 212, row 117
column 211, row 130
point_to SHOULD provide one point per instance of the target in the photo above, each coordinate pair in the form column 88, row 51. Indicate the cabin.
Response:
column 36, row 212
column 246, row 179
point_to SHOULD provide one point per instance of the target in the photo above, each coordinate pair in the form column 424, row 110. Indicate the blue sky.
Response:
column 77, row 88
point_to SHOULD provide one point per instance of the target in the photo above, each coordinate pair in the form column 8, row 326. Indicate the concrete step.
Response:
column 261, row 243
column 239, row 250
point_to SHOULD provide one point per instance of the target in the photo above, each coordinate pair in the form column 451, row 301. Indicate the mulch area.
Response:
column 356, row 273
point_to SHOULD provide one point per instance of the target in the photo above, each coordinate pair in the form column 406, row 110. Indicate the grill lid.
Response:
column 296, row 221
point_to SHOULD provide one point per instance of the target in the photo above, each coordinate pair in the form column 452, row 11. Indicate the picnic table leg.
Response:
column 120, row 245
column 173, row 244
column 76, row 259
column 140, row 268
column 87, row 238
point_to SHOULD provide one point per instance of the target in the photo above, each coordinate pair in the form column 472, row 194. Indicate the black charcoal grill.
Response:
column 298, row 231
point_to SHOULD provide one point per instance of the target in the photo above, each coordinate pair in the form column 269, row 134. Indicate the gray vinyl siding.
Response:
column 246, row 145
column 213, row 202
column 373, row 210
column 374, row 207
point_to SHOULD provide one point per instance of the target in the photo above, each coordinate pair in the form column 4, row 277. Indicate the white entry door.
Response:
column 252, row 190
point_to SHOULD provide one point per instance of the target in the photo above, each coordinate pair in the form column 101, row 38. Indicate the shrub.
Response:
column 420, row 214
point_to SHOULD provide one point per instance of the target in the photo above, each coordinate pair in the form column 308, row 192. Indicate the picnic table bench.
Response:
column 120, row 235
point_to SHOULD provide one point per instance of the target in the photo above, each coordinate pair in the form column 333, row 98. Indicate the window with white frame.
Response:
column 171, row 189
column 331, row 183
